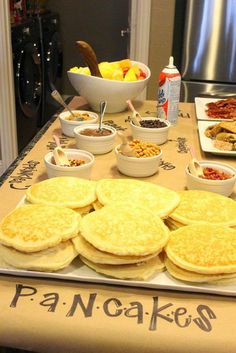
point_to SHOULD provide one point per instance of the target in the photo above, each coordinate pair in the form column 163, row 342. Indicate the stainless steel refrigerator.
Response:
column 208, row 51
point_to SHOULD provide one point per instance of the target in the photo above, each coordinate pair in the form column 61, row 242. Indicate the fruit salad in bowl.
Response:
column 121, row 81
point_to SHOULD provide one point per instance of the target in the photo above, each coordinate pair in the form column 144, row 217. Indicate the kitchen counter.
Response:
column 49, row 315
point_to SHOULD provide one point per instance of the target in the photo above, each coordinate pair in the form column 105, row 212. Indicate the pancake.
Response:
column 3, row 264
column 189, row 276
column 52, row 259
column 84, row 210
column 139, row 272
column 92, row 254
column 160, row 200
column 97, row 205
column 125, row 231
column 197, row 206
column 203, row 248
column 172, row 224
column 63, row 191
column 224, row 281
column 33, row 228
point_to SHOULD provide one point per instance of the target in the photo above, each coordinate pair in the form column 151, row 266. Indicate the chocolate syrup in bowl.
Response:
column 96, row 132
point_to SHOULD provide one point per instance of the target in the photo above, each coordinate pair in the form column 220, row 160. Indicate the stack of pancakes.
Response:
column 44, row 228
column 38, row 237
column 203, row 253
column 198, row 206
column 202, row 245
column 75, row 193
column 122, row 242
column 160, row 200
column 125, row 236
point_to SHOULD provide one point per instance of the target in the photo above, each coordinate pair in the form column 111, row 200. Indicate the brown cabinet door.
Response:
column 104, row 24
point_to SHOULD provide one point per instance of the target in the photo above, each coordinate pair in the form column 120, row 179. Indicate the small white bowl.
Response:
column 95, row 144
column 137, row 167
column 154, row 135
column 68, row 126
column 223, row 187
column 82, row 171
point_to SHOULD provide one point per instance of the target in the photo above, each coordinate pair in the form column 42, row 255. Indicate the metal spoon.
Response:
column 136, row 117
column 103, row 105
column 125, row 148
column 58, row 153
column 56, row 95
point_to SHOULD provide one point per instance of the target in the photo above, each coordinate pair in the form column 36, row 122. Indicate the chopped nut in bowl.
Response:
column 144, row 162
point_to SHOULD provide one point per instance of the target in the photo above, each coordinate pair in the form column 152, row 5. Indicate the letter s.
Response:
column 203, row 322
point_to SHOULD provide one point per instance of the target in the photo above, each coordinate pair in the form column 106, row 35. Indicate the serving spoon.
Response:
column 56, row 95
column 136, row 117
column 194, row 166
column 58, row 153
column 125, row 148
column 89, row 57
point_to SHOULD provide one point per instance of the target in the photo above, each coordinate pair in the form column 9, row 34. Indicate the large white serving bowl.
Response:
column 116, row 93
column 93, row 144
column 82, row 171
column 137, row 167
column 155, row 135
column 67, row 126
column 223, row 187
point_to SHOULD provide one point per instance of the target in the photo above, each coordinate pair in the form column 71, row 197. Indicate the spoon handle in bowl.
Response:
column 136, row 117
column 56, row 95
column 57, row 140
column 89, row 57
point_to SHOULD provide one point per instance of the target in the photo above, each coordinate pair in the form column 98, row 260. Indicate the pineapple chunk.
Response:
column 106, row 69
column 84, row 70
column 136, row 70
column 117, row 75
column 125, row 63
column 80, row 70
column 130, row 75
column 74, row 69
column 116, row 65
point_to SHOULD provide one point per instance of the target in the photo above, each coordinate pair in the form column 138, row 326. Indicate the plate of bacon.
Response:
column 215, row 109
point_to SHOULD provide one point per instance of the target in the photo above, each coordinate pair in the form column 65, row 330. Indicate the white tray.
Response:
column 78, row 271
column 200, row 105
column 207, row 143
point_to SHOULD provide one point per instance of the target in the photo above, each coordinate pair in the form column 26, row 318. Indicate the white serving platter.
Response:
column 200, row 105
column 207, row 144
column 79, row 272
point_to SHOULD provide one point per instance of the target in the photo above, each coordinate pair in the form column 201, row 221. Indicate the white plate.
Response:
column 79, row 272
column 200, row 105
column 207, row 144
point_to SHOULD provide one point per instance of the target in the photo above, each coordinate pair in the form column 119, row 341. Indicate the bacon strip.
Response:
column 222, row 109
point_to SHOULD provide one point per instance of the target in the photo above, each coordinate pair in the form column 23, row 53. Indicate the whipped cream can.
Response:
column 168, row 93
